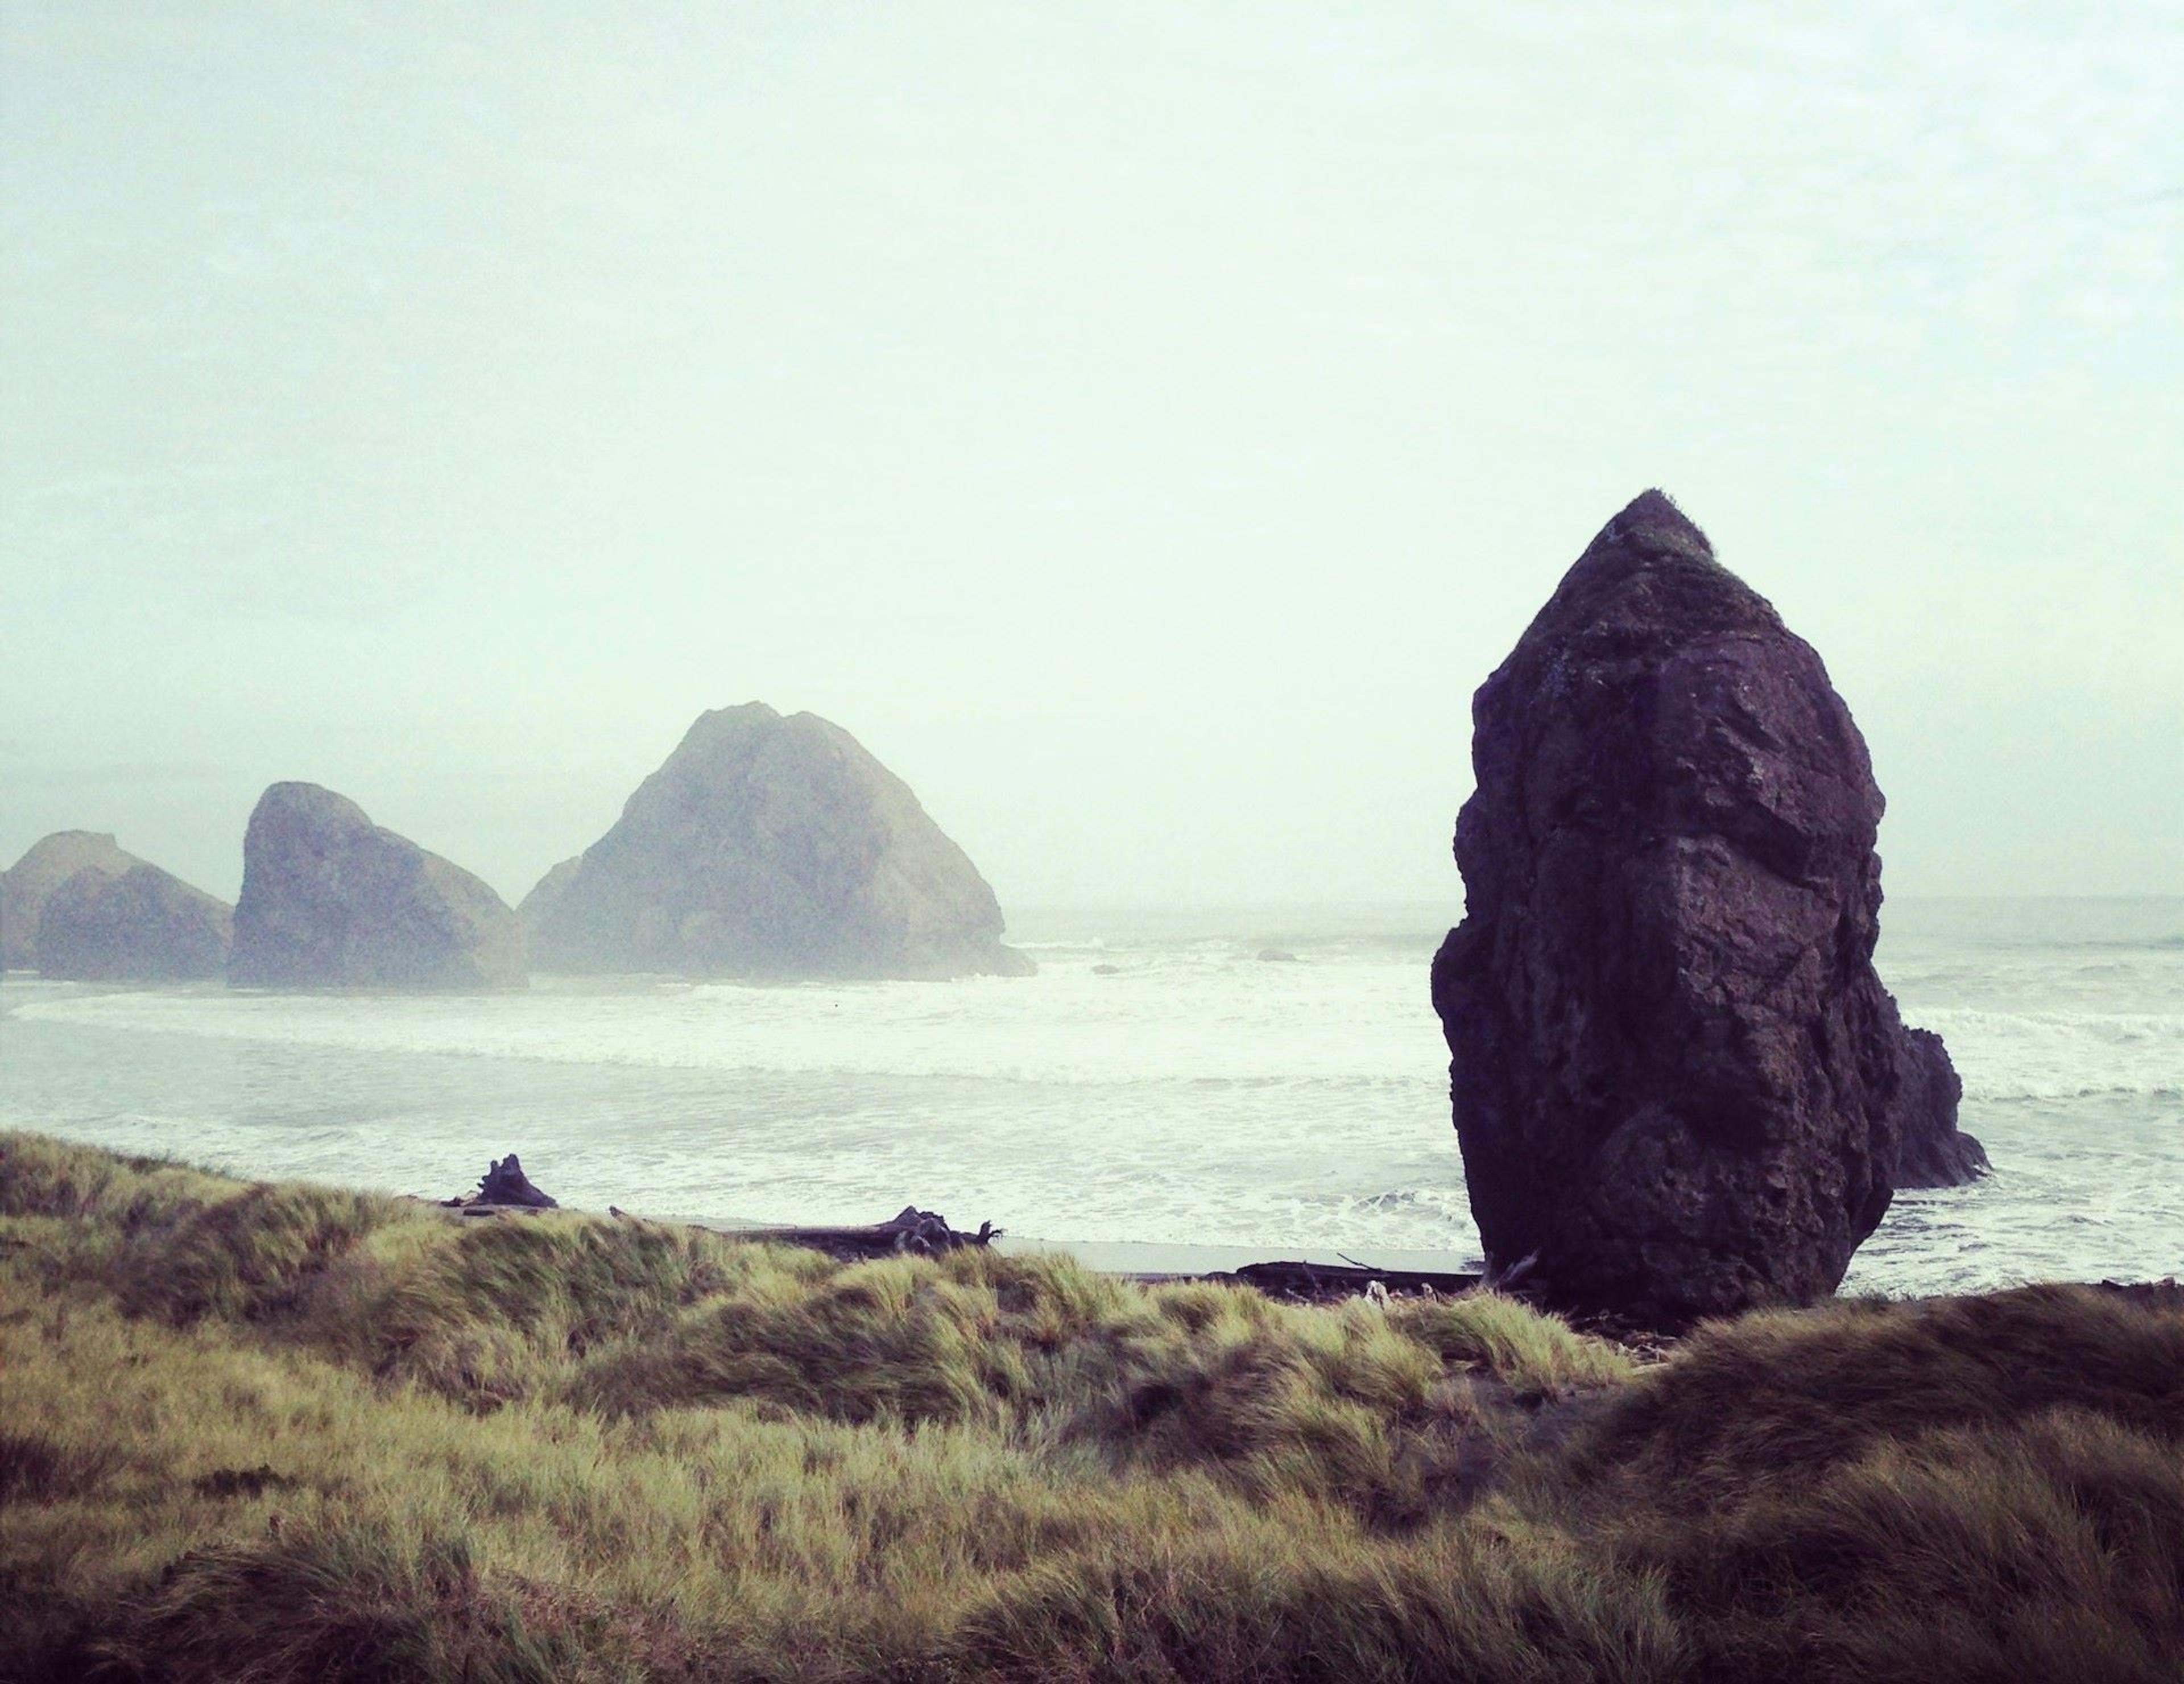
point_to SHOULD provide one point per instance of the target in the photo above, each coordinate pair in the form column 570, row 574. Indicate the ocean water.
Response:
column 1156, row 1082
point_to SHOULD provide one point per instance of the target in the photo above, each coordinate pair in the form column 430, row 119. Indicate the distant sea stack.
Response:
column 25, row 886
column 1680, row 1088
column 331, row 901
column 767, row 846
column 146, row 925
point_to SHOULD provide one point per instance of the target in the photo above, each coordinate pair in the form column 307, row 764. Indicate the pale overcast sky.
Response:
column 1142, row 426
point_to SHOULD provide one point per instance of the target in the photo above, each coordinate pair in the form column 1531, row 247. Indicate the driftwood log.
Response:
column 504, row 1186
column 918, row 1233
column 1316, row 1283
column 923, row 1233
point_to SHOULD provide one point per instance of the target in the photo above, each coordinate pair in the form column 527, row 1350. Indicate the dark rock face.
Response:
column 145, row 925
column 1935, row 1152
column 25, row 886
column 1680, row 1088
column 767, row 846
column 331, row 901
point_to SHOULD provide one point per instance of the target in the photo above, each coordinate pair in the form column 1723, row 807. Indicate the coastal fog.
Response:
column 745, row 931
column 1142, row 427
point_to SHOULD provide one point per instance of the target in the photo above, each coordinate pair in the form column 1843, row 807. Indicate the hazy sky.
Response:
column 1142, row 426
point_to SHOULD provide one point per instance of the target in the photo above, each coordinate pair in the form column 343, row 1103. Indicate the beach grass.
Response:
column 276, row 1432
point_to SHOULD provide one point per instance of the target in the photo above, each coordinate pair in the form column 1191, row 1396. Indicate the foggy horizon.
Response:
column 1142, row 430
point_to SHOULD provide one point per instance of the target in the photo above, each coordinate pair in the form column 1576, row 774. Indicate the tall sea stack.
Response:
column 1680, row 1088
column 771, row 847
column 330, row 900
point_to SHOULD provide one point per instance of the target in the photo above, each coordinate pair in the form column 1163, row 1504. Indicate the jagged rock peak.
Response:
column 1651, row 572
column 1679, row 1086
column 767, row 846
column 330, row 900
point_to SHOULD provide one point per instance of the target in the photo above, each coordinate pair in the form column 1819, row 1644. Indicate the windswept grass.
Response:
column 284, row 1432
column 1774, row 1400
column 1966, row 1488
column 243, row 1258
column 1517, row 1606
column 1536, row 1356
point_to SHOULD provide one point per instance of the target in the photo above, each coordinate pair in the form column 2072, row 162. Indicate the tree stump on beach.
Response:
column 504, row 1183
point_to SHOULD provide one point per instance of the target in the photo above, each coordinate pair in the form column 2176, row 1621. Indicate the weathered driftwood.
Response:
column 504, row 1186
column 921, row 1232
column 1319, row 1281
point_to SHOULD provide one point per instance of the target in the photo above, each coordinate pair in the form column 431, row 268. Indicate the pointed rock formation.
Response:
column 1935, row 1151
column 331, row 901
column 146, row 925
column 47, row 864
column 771, row 847
column 1680, row 1088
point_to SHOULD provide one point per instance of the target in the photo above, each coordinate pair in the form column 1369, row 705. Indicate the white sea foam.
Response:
column 2005, row 1056
column 1202, row 1015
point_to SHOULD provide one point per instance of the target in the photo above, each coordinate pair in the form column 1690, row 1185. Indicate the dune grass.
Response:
column 1985, row 1487
column 288, row 1432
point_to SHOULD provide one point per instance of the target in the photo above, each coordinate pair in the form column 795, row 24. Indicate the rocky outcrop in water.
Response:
column 771, row 846
column 1680, row 1088
column 145, row 925
column 331, row 901
column 1934, row 1151
column 49, row 862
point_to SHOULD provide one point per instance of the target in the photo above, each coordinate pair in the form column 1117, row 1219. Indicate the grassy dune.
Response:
column 286, row 1432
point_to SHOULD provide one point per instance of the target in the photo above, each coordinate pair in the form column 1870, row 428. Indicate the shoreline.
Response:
column 1272, row 1109
column 1152, row 1262
column 1155, row 1259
